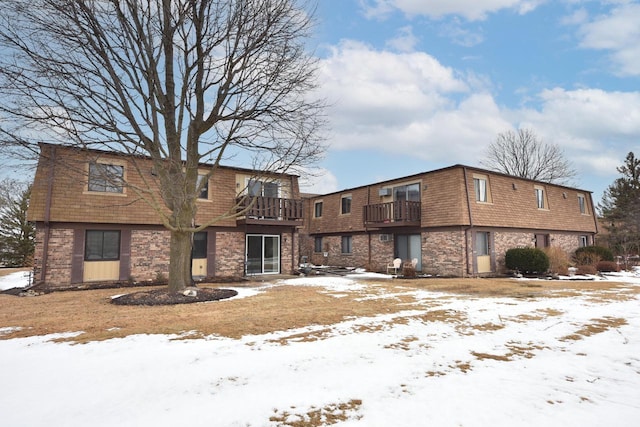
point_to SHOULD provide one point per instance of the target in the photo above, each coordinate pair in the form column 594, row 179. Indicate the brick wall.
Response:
column 58, row 269
column 149, row 254
column 230, row 253
column 443, row 253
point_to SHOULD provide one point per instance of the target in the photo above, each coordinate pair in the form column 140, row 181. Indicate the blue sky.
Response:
column 416, row 85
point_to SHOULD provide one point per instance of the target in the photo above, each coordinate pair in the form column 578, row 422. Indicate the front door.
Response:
column 263, row 254
column 483, row 252
column 408, row 247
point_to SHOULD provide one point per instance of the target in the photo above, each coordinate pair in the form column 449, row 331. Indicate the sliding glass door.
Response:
column 263, row 254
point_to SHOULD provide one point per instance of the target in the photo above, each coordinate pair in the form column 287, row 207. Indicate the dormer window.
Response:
column 106, row 178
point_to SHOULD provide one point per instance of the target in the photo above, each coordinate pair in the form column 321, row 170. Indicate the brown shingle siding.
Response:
column 71, row 202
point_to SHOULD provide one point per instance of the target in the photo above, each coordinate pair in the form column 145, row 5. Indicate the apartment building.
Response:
column 457, row 221
column 90, row 229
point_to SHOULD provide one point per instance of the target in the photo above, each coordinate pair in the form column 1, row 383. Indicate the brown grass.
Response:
column 315, row 417
column 276, row 309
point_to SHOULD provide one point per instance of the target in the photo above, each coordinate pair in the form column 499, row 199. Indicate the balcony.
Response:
column 393, row 214
column 269, row 211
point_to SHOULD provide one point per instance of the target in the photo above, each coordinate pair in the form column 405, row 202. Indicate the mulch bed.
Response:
column 164, row 297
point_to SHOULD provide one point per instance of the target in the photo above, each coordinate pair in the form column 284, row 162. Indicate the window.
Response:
column 317, row 209
column 262, row 188
column 199, row 250
column 541, row 200
column 204, row 193
column 346, row 244
column 345, row 205
column 583, row 241
column 409, row 192
column 481, row 188
column 542, row 240
column 317, row 244
column 582, row 204
column 106, row 178
column 482, row 243
column 101, row 245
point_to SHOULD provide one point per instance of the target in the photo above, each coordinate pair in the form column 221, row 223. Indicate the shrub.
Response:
column 527, row 260
column 558, row 260
column 607, row 266
column 586, row 269
column 593, row 254
column 408, row 270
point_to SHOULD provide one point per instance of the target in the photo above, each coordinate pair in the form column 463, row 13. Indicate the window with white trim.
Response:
column 582, row 204
column 541, row 197
column 481, row 188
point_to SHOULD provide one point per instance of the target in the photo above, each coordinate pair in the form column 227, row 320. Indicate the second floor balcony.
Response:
column 270, row 210
column 402, row 213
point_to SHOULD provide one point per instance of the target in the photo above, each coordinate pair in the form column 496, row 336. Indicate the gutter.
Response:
column 47, row 215
column 466, row 230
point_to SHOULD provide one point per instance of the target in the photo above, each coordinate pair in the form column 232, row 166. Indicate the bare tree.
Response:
column 523, row 154
column 179, row 81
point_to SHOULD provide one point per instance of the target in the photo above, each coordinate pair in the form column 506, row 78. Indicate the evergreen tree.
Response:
column 17, row 235
column 620, row 207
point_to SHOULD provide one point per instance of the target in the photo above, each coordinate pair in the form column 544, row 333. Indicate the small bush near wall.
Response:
column 527, row 260
column 586, row 269
column 558, row 260
column 607, row 266
column 591, row 255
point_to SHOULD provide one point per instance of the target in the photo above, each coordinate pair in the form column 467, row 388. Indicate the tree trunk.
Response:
column 180, row 261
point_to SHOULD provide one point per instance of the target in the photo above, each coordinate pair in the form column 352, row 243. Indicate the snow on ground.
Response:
column 19, row 279
column 495, row 362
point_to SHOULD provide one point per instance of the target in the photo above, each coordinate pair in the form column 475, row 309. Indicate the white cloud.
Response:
column 595, row 128
column 405, row 103
column 405, row 41
column 590, row 114
column 472, row 10
column 619, row 33
column 318, row 181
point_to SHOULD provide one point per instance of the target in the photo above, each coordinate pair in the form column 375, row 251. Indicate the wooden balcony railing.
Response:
column 275, row 210
column 392, row 214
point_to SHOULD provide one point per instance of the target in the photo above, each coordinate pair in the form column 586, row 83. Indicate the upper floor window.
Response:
column 481, row 188
column 346, row 244
column 102, row 245
column 541, row 197
column 106, row 178
column 256, row 188
column 317, row 209
column 345, row 205
column 410, row 192
column 204, row 192
column 582, row 204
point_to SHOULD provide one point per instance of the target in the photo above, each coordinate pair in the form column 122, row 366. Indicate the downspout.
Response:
column 466, row 230
column 365, row 227
column 595, row 220
column 47, row 215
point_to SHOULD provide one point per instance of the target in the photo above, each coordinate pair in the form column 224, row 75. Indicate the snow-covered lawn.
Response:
column 446, row 361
